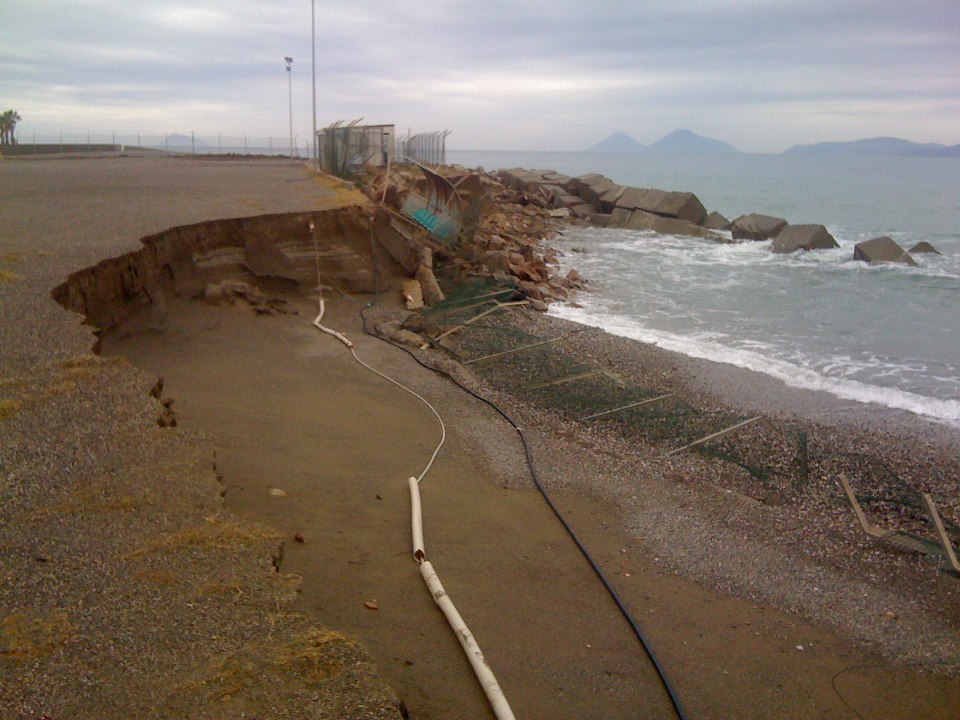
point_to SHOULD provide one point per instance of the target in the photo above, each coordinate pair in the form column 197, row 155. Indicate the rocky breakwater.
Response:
column 603, row 202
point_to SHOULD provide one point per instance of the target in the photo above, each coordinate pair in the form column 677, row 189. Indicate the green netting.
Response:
column 549, row 375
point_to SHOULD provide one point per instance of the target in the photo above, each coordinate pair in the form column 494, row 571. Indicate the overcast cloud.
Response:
column 760, row 74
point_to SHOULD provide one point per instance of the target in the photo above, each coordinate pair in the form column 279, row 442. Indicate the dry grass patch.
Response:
column 316, row 654
column 59, row 388
column 8, row 276
column 312, row 656
column 9, row 408
column 93, row 498
column 159, row 577
column 215, row 534
column 23, row 637
column 11, row 258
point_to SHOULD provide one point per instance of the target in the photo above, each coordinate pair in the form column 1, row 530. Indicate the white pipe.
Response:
column 317, row 320
column 416, row 520
column 498, row 701
column 329, row 331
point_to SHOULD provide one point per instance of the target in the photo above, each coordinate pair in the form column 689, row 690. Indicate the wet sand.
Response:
column 288, row 409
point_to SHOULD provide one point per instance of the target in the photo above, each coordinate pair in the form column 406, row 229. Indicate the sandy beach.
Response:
column 761, row 599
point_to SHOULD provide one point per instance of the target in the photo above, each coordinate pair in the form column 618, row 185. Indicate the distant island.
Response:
column 679, row 142
column 687, row 142
column 875, row 147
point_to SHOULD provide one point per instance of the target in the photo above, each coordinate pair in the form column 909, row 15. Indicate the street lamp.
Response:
column 313, row 82
column 290, row 93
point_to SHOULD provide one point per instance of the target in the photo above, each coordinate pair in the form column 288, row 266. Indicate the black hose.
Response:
column 678, row 708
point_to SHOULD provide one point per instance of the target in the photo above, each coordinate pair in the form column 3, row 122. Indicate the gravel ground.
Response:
column 125, row 590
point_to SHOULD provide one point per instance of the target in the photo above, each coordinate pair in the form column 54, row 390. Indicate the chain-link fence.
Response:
column 29, row 142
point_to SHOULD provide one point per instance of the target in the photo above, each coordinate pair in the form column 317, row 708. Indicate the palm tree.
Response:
column 8, row 123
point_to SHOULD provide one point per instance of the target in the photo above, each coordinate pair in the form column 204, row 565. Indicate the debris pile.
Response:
column 504, row 240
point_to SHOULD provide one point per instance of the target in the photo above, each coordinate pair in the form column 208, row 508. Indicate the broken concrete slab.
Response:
column 880, row 250
column 755, row 226
column 803, row 237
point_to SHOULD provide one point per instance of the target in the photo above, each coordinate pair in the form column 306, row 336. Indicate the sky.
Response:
column 525, row 75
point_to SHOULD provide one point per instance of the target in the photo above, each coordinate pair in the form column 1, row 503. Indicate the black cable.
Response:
column 546, row 496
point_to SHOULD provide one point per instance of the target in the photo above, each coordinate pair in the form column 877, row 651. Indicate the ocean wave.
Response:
column 945, row 411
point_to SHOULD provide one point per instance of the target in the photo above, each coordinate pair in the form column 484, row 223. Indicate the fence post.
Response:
column 61, row 141
column 219, row 146
column 245, row 144
column 193, row 146
column 271, row 144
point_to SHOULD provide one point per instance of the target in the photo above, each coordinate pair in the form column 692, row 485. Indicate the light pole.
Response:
column 313, row 82
column 290, row 93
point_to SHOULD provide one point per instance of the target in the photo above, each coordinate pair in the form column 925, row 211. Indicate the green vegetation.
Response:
column 8, row 123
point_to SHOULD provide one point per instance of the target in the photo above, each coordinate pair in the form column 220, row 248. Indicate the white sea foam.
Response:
column 943, row 411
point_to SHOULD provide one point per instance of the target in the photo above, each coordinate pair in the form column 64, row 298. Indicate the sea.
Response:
column 887, row 335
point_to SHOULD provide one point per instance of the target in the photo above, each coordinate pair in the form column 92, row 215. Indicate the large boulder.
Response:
column 925, row 247
column 756, row 227
column 803, row 237
column 716, row 221
column 881, row 249
column 680, row 205
column 619, row 218
column 642, row 220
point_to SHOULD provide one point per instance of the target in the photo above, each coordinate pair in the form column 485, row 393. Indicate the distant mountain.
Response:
column 618, row 143
column 179, row 140
column 687, row 142
column 876, row 147
column 679, row 142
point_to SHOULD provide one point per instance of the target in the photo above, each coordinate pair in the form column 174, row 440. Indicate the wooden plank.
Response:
column 867, row 526
column 519, row 349
column 941, row 532
column 561, row 381
column 715, row 435
column 627, row 407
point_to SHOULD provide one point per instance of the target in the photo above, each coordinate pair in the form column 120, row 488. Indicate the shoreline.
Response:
column 756, row 391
